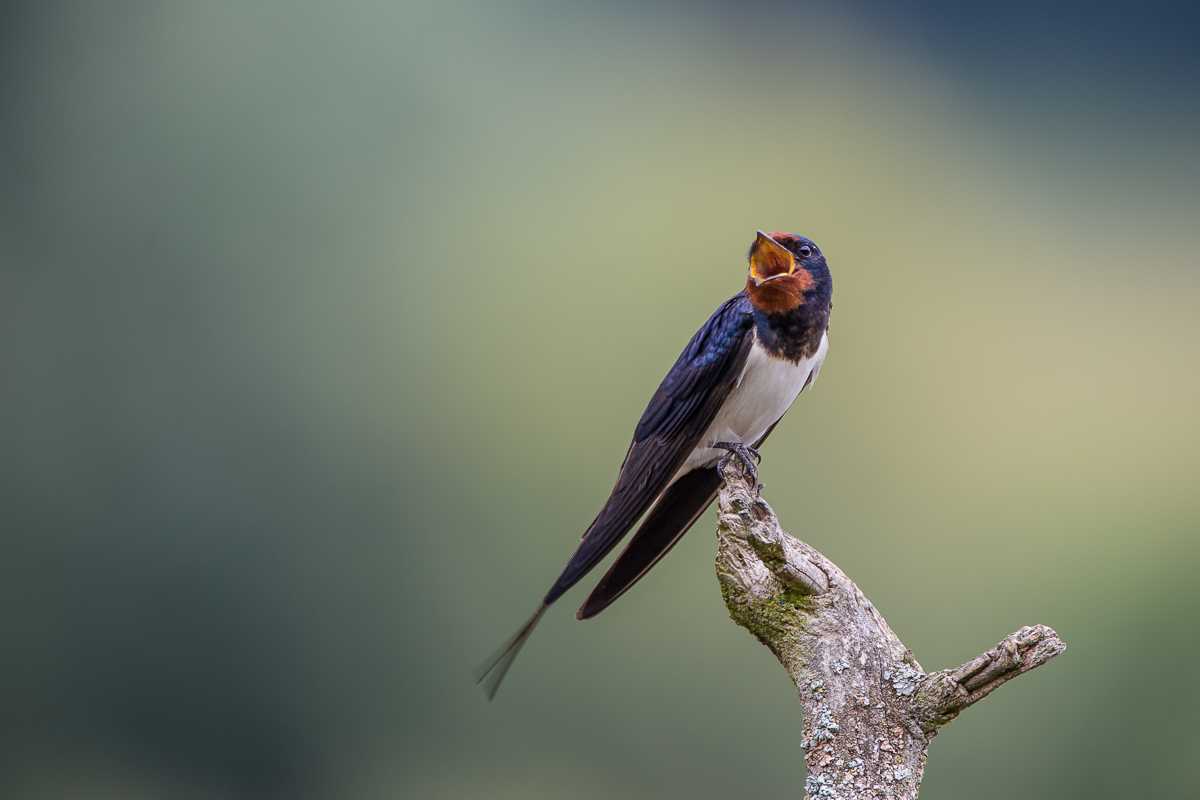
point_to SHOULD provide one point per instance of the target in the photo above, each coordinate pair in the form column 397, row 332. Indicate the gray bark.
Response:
column 870, row 711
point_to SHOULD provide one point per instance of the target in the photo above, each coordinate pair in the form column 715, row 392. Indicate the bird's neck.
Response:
column 794, row 335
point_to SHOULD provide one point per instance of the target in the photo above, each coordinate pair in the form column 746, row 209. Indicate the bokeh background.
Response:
column 324, row 326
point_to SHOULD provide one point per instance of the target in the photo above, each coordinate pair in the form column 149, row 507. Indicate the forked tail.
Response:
column 490, row 673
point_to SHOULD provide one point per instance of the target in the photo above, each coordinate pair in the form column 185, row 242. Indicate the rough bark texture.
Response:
column 870, row 711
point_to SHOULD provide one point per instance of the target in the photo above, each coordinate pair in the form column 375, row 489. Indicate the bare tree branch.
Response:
column 870, row 711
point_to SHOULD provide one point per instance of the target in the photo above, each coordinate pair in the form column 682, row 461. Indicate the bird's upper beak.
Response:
column 769, row 260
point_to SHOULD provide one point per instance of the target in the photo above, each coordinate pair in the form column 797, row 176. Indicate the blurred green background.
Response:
column 324, row 328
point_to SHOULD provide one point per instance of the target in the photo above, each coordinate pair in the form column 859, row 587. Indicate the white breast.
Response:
column 767, row 388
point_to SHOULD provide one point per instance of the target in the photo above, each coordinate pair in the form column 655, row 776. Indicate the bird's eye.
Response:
column 805, row 251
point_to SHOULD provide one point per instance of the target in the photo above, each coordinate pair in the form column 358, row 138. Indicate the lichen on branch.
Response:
column 870, row 710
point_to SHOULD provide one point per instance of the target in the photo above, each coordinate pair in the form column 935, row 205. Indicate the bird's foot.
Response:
column 746, row 453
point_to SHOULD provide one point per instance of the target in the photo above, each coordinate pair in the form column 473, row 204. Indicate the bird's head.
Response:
column 785, row 271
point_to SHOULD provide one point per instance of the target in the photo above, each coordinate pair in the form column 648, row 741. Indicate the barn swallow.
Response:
column 727, row 391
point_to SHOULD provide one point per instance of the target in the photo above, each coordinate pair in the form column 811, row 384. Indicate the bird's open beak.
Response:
column 769, row 260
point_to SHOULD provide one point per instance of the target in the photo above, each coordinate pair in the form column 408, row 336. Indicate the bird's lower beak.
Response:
column 769, row 260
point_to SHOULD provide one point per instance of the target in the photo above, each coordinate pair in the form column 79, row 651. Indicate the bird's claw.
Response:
column 747, row 454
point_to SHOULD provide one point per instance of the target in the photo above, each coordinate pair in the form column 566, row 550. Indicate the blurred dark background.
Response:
column 323, row 329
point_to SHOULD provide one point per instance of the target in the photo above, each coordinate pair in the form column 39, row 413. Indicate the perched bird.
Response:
column 731, row 385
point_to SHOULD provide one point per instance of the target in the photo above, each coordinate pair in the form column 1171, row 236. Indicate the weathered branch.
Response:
column 870, row 711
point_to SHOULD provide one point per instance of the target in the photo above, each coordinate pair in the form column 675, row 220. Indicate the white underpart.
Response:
column 766, row 390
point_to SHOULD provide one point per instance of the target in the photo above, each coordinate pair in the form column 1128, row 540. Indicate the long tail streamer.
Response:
column 490, row 673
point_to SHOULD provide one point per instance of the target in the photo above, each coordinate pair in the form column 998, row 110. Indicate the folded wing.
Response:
column 678, row 414
column 680, row 411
